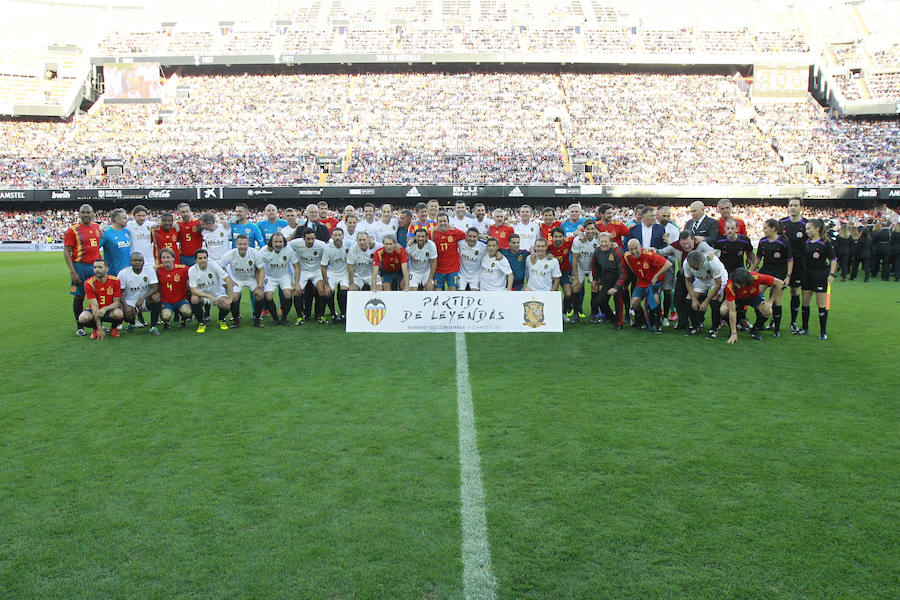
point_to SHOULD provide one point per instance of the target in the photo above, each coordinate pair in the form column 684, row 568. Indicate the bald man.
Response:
column 701, row 225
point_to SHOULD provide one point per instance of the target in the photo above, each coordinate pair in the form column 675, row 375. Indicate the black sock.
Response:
column 309, row 294
column 776, row 317
column 223, row 314
column 285, row 307
column 78, row 308
column 270, row 306
column 805, row 314
column 154, row 313
column 298, row 304
column 140, row 317
column 253, row 305
column 114, row 323
column 197, row 309
column 667, row 303
column 795, row 306
column 331, row 304
column 579, row 302
column 595, row 302
column 655, row 317
column 206, row 309
column 567, row 303
column 236, row 309
column 342, row 301
column 823, row 320
column 320, row 306
column 639, row 318
column 760, row 321
column 716, row 317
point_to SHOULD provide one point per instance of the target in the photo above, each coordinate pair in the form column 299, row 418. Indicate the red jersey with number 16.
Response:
column 84, row 240
column 645, row 266
column 447, row 250
column 173, row 285
column 733, row 292
column 104, row 293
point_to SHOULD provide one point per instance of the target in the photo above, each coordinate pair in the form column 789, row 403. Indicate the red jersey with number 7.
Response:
column 390, row 262
column 173, row 285
column 447, row 250
column 645, row 266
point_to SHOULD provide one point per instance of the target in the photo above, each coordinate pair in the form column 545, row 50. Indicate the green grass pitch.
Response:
column 307, row 463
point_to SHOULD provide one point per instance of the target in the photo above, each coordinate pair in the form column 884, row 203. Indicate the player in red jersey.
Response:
column 392, row 262
column 548, row 222
column 446, row 239
column 724, row 207
column 648, row 267
column 104, row 295
column 173, row 287
column 190, row 238
column 326, row 217
column 617, row 230
column 745, row 288
column 561, row 249
column 165, row 236
column 500, row 230
column 80, row 249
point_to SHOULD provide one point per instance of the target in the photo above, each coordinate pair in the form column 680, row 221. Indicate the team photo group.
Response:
column 648, row 273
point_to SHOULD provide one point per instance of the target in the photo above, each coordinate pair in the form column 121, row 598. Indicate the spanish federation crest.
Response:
column 375, row 310
column 534, row 314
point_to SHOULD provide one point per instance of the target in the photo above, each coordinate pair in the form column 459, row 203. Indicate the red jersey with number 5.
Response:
column 447, row 250
column 189, row 237
column 173, row 285
column 733, row 292
column 105, row 293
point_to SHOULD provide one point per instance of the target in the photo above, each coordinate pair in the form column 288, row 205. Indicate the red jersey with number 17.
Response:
column 189, row 237
column 173, row 285
column 447, row 250
column 105, row 293
column 733, row 292
column 645, row 266
column 84, row 240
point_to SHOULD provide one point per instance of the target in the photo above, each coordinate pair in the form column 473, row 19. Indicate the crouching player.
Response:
column 208, row 282
column 245, row 266
column 609, row 274
column 173, row 287
column 745, row 288
column 139, row 292
column 705, row 279
column 648, row 268
column 104, row 295
column 359, row 263
column 391, row 264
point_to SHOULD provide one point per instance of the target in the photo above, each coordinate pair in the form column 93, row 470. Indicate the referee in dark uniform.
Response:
column 777, row 259
column 819, row 264
column 794, row 227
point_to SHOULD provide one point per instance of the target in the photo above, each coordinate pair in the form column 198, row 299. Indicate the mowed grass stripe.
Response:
column 624, row 465
column 277, row 463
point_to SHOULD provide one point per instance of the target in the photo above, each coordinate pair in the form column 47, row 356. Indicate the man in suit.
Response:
column 701, row 225
column 648, row 232
column 312, row 222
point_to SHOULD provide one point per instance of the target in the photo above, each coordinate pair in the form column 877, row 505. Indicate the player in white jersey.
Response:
column 542, row 269
column 422, row 255
column 290, row 215
column 481, row 222
column 282, row 272
column 471, row 251
column 309, row 251
column 208, row 282
column 527, row 228
column 216, row 236
column 583, row 247
column 367, row 223
column 705, row 278
column 460, row 218
column 359, row 263
column 335, row 276
column 141, row 242
column 496, row 274
column 385, row 225
column 139, row 292
column 245, row 267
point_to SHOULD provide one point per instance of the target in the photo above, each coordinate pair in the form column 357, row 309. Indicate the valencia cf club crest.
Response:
column 375, row 310
column 534, row 314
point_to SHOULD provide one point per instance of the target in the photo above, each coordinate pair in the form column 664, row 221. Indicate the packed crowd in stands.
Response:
column 469, row 128
column 50, row 225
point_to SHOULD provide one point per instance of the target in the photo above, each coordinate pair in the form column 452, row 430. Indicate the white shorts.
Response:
column 702, row 287
column 589, row 276
column 343, row 280
column 474, row 283
column 417, row 279
column 363, row 281
column 307, row 277
column 130, row 302
column 239, row 284
column 285, row 282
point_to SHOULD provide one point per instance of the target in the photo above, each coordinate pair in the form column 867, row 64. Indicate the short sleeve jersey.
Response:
column 447, row 249
column 390, row 262
column 310, row 257
column 84, row 240
column 542, row 272
column 470, row 258
column 105, row 293
column 207, row 280
column 278, row 264
column 240, row 267
column 645, row 266
column 733, row 293
column 420, row 258
column 173, row 284
column 494, row 270
column 135, row 285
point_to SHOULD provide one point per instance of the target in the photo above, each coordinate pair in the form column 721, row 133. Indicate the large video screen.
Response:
column 127, row 81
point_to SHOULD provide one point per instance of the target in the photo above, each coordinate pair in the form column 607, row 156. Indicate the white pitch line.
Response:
column 478, row 580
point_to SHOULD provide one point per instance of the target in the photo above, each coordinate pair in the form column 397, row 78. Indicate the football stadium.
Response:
column 450, row 299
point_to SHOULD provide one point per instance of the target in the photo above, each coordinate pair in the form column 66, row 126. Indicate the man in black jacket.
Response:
column 700, row 224
column 313, row 222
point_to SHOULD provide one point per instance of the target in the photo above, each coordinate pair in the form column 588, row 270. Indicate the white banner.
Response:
column 32, row 247
column 414, row 312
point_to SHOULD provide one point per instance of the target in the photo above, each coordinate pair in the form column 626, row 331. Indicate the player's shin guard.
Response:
column 342, row 301
column 805, row 313
column 197, row 309
column 78, row 308
column 823, row 320
column 795, row 306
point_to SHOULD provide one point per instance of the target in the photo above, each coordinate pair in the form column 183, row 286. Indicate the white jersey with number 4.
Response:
column 134, row 285
column 494, row 270
column 542, row 272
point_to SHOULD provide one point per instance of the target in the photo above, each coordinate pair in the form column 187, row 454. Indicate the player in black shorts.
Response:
column 794, row 228
column 777, row 259
column 820, row 263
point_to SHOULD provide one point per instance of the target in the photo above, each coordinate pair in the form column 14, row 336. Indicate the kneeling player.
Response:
column 139, row 292
column 392, row 265
column 745, row 288
column 104, row 295
column 648, row 268
column 208, row 282
column 245, row 267
column 359, row 262
column 173, row 287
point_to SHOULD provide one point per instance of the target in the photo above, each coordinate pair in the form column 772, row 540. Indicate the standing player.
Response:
column 549, row 223
column 208, row 282
column 744, row 289
column 481, row 222
column 648, row 268
column 422, row 254
column 367, row 224
column 794, row 228
column 724, row 207
column 561, row 249
column 335, row 277
column 116, row 241
column 433, row 207
column 279, row 261
column 359, row 263
column 460, row 218
column 190, row 238
column 575, row 222
column 271, row 224
column 325, row 217
column 165, row 236
column 609, row 273
column 309, row 251
column 471, row 251
column 500, row 230
column 616, row 229
column 173, row 287
column 104, row 295
column 392, row 264
column 583, row 247
column 775, row 255
column 140, row 289
column 705, row 278
column 542, row 268
column 496, row 275
column 516, row 258
column 385, row 225
column 241, row 225
column 246, row 269
column 81, row 248
column 819, row 264
column 404, row 233
column 216, row 236
column 422, row 220
column 140, row 229
column 446, row 239
column 527, row 229
column 290, row 215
